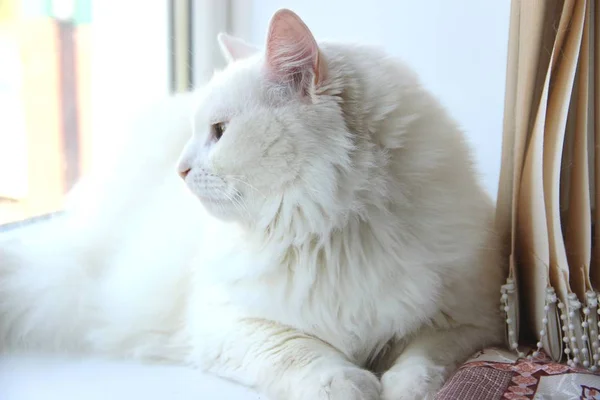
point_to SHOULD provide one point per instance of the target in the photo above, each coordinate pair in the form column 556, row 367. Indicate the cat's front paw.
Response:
column 349, row 383
column 412, row 382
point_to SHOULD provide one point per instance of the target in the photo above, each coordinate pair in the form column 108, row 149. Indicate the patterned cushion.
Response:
column 497, row 374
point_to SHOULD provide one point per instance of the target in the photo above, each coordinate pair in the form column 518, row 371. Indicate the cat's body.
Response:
column 343, row 227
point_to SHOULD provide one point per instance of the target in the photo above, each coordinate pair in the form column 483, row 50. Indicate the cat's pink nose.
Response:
column 184, row 172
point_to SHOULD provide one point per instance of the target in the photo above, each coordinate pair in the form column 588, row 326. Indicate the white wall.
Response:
column 457, row 46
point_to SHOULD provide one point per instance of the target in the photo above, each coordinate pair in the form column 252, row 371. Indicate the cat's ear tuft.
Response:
column 234, row 48
column 293, row 55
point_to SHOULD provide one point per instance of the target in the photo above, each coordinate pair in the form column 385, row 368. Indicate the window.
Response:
column 73, row 71
column 66, row 67
column 45, row 135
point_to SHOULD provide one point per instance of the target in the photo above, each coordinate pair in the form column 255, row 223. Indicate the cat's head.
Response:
column 269, row 132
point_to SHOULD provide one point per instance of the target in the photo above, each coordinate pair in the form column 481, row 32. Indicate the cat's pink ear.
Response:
column 234, row 48
column 292, row 51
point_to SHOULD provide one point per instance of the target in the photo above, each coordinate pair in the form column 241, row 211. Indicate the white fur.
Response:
column 341, row 230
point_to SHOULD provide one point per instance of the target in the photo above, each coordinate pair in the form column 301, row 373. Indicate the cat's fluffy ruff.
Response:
column 345, row 229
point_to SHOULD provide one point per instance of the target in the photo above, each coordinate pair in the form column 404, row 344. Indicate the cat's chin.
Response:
column 219, row 208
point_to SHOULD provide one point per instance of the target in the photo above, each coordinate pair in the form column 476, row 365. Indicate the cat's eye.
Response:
column 218, row 129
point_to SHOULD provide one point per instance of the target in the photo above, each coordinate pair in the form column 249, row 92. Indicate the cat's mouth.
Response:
column 212, row 200
column 216, row 195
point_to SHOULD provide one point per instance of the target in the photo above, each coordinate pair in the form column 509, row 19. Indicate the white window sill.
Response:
column 43, row 378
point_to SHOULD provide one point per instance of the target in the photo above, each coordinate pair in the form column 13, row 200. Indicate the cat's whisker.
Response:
column 238, row 205
column 245, row 207
column 241, row 206
column 233, row 177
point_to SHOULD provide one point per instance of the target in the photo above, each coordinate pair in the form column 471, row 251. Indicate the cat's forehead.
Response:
column 232, row 90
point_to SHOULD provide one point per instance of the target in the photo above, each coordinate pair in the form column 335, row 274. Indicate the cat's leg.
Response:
column 283, row 363
column 425, row 362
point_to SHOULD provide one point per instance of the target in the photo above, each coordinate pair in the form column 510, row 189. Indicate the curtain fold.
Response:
column 547, row 189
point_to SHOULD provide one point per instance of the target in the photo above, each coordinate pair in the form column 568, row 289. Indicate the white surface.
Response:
column 39, row 378
column 458, row 47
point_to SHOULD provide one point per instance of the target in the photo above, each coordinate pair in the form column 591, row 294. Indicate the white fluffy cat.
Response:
column 341, row 233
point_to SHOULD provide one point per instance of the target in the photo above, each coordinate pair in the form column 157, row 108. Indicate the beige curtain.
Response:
column 547, row 198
